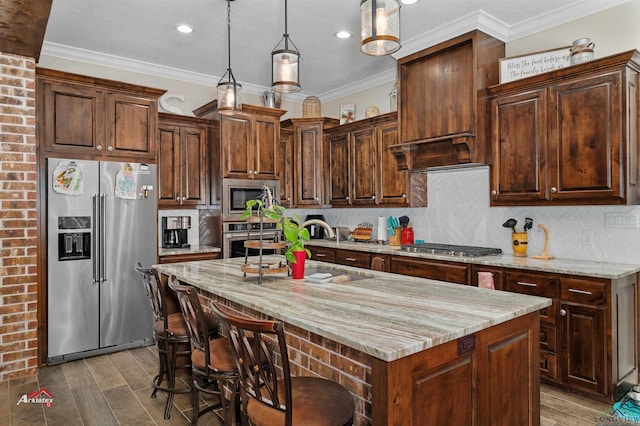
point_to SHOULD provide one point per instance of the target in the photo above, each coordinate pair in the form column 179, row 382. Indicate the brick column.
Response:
column 18, row 270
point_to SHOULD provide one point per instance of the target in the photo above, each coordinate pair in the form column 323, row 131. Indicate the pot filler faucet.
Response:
column 322, row 223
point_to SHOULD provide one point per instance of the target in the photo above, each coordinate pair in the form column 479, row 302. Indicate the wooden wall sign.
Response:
column 518, row 67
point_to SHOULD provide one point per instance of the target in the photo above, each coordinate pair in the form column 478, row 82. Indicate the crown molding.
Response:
column 360, row 85
column 102, row 59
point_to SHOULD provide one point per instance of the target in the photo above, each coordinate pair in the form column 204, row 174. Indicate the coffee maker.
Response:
column 174, row 231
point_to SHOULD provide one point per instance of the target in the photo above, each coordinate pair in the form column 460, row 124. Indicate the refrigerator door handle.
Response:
column 96, row 243
column 103, row 239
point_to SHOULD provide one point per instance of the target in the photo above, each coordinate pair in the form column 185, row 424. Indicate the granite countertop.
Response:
column 385, row 315
column 561, row 266
column 194, row 249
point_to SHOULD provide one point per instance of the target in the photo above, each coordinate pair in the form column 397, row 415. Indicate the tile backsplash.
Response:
column 458, row 212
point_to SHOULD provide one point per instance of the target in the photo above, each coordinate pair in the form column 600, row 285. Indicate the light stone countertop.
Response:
column 561, row 266
column 388, row 316
column 194, row 249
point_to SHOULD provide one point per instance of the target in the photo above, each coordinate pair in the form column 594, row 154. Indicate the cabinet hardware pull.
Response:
column 350, row 259
column 563, row 313
column 109, row 148
column 494, row 192
column 404, row 195
column 347, row 198
column 178, row 198
column 255, row 172
column 553, row 190
column 99, row 147
column 321, row 255
column 527, row 284
column 573, row 290
column 373, row 197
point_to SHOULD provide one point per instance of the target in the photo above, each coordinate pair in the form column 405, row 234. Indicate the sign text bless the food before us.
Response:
column 523, row 66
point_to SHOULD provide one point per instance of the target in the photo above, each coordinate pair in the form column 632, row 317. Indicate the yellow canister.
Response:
column 519, row 242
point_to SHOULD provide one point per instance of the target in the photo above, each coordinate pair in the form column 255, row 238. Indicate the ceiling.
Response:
column 140, row 35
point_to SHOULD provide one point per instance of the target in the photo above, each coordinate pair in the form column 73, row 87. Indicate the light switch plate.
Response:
column 621, row 220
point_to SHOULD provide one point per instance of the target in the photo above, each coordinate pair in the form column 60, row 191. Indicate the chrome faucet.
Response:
column 322, row 223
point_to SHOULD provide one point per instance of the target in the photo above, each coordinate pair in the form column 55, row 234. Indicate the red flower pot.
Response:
column 297, row 269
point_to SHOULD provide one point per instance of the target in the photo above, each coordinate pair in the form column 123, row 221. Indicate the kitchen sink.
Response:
column 326, row 275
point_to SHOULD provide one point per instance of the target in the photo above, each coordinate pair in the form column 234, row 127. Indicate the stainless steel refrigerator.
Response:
column 101, row 220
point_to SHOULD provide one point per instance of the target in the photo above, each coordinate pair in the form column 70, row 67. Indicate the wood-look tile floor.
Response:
column 115, row 389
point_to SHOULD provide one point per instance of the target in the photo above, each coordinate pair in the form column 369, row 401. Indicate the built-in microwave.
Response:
column 236, row 193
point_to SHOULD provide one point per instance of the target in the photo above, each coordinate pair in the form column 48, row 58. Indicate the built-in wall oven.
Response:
column 236, row 233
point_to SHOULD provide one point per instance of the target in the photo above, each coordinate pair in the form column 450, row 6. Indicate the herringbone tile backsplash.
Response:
column 458, row 212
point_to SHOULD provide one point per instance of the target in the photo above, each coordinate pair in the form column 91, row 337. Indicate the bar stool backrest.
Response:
column 193, row 316
column 153, row 291
column 258, row 371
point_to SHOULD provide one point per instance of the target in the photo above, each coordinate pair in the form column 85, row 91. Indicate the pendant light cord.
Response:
column 229, row 35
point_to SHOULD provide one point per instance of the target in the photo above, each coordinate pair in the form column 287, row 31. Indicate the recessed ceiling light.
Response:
column 409, row 1
column 343, row 34
column 184, row 28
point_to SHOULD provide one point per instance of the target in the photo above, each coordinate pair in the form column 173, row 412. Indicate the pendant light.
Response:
column 229, row 89
column 285, row 63
column 379, row 26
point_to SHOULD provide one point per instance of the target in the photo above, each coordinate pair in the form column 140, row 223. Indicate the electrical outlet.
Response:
column 621, row 220
column 587, row 237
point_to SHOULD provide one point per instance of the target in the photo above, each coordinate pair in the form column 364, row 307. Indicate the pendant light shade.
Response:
column 379, row 26
column 285, row 63
column 229, row 89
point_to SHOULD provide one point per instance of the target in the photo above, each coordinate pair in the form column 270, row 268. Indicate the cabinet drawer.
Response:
column 548, row 338
column 443, row 271
column 579, row 290
column 323, row 254
column 353, row 258
column 536, row 285
column 549, row 365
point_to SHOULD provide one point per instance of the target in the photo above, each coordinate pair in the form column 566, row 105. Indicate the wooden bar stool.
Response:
column 271, row 398
column 212, row 362
column 172, row 339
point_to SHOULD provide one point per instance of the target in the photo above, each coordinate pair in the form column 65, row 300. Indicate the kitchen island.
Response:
column 412, row 351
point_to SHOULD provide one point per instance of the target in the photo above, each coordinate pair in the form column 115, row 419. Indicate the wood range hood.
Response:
column 449, row 150
column 441, row 119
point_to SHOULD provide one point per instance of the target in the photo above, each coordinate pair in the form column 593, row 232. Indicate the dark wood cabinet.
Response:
column 584, row 303
column 358, row 259
column 432, row 269
column 309, row 166
column 182, row 161
column 190, row 257
column 438, row 101
column 363, row 171
column 285, row 168
column 567, row 137
column 250, row 143
column 92, row 118
column 323, row 254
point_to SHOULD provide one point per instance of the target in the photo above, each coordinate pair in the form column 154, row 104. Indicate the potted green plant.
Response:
column 294, row 235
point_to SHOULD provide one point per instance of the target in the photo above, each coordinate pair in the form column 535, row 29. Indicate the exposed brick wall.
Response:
column 314, row 355
column 18, row 274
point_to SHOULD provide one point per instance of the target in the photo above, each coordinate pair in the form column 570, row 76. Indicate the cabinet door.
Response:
column 393, row 183
column 518, row 147
column 285, row 169
column 585, row 141
column 193, row 165
column 583, row 360
column 169, row 165
column 339, row 169
column 363, row 164
column 266, row 136
column 309, row 154
column 73, row 119
column 237, row 151
column 131, row 126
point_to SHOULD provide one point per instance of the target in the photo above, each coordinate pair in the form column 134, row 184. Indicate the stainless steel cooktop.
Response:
column 451, row 250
